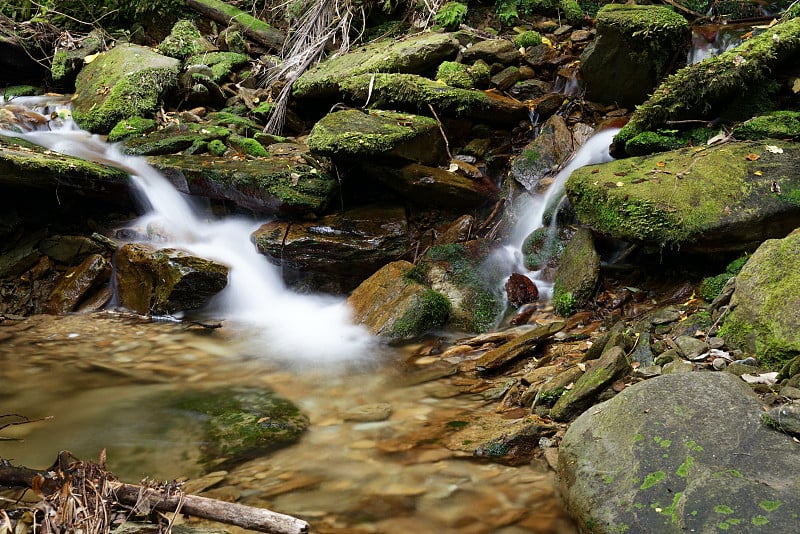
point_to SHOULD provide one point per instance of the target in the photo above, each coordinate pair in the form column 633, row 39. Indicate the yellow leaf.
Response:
column 660, row 164
column 758, row 173
column 91, row 57
column 620, row 184
column 547, row 41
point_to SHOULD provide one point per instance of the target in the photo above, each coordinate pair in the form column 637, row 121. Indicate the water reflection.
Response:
column 100, row 377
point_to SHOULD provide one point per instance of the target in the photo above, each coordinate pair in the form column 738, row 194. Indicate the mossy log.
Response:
column 703, row 90
column 226, row 14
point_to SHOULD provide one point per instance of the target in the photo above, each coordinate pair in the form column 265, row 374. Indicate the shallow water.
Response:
column 98, row 376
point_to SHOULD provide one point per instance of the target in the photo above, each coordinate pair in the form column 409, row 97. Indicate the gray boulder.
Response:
column 544, row 155
column 634, row 48
column 680, row 453
column 577, row 273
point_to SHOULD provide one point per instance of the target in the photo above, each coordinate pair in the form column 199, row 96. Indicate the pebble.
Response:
column 719, row 364
column 368, row 413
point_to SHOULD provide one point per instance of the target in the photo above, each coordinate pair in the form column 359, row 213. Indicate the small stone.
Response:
column 521, row 290
column 368, row 412
column 715, row 342
column 579, row 36
column 719, row 364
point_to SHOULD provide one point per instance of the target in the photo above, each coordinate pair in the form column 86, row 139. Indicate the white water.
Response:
column 533, row 208
column 299, row 329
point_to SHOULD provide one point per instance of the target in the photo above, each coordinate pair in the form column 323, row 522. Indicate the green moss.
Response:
column 563, row 303
column 21, row 90
column 429, row 311
column 683, row 469
column 650, row 142
column 759, row 520
column 481, row 73
column 723, row 509
column 770, row 506
column 222, row 63
column 131, row 127
column 183, row 41
column 779, row 124
column 528, row 38
column 247, row 145
column 454, row 74
column 456, row 424
column 571, row 10
column 217, row 147
column 237, row 123
column 652, row 479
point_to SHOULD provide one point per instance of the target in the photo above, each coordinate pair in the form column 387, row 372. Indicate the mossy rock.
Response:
column 67, row 62
column 455, row 75
column 634, row 48
column 183, row 41
column 711, row 286
column 415, row 93
column 577, row 274
column 170, row 140
column 127, row 81
column 241, row 423
column 777, row 125
column 412, row 54
column 222, row 63
column 763, row 315
column 715, row 199
column 131, row 127
column 356, row 134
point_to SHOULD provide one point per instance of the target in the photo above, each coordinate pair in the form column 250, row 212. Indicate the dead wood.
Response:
column 253, row 28
column 87, row 488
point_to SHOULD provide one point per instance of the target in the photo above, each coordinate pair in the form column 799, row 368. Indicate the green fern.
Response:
column 451, row 15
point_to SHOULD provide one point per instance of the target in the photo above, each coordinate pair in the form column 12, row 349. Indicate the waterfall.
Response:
column 256, row 303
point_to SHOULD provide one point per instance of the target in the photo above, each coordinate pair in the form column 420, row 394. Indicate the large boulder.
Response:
column 165, row 281
column 763, row 316
column 544, row 155
column 577, row 273
column 683, row 452
column 393, row 305
column 723, row 198
column 338, row 251
column 356, row 134
column 634, row 48
column 126, row 81
column 413, row 54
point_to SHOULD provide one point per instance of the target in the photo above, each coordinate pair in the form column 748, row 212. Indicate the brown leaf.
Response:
column 752, row 157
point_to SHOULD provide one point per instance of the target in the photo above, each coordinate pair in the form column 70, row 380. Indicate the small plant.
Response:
column 451, row 15
column 528, row 38
column 563, row 303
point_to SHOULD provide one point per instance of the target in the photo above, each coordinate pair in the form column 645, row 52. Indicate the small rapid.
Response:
column 289, row 326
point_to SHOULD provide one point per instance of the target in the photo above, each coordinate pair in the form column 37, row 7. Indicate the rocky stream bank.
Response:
column 652, row 359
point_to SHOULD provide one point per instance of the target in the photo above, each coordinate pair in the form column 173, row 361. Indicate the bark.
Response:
column 255, row 29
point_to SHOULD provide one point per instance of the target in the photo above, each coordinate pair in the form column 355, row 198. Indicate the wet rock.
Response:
column 691, row 348
column 434, row 187
column 544, row 155
column 69, row 249
column 763, row 317
column 642, row 353
column 520, row 290
column 505, row 78
column 677, row 366
column 368, row 412
column 611, row 366
column 530, row 89
column 151, row 281
column 496, row 439
column 358, row 134
column 414, row 54
column 391, row 304
column 76, row 283
column 517, row 348
column 126, row 81
column 542, row 55
column 577, row 274
column 682, row 468
column 634, row 48
column 67, row 61
column 492, row 51
column 339, row 250
column 706, row 204
column 458, row 232
column 239, row 423
column 21, row 254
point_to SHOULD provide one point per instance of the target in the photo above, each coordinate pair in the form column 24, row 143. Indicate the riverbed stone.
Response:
column 634, row 48
column 339, row 250
column 785, row 418
column 363, row 134
column 492, row 51
column 577, row 273
column 763, row 317
column 165, row 281
column 611, row 366
column 412, row 54
column 69, row 249
column 719, row 199
column 521, row 346
column 76, row 283
column 543, row 156
column 665, row 455
column 126, row 81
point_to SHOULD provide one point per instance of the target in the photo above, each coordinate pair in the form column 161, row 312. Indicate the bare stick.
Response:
column 438, row 122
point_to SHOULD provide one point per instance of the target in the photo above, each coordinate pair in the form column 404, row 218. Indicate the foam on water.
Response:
column 256, row 303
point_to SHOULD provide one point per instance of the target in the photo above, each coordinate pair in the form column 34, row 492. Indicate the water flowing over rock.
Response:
column 763, row 316
column 635, row 47
column 680, row 453
column 720, row 198
column 165, row 281
column 126, row 81
column 338, row 251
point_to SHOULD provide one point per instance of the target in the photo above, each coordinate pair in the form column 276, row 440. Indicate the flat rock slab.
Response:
column 680, row 453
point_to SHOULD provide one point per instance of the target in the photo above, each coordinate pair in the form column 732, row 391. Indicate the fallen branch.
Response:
column 255, row 29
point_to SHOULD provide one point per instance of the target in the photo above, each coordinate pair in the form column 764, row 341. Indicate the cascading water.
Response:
column 533, row 208
column 291, row 327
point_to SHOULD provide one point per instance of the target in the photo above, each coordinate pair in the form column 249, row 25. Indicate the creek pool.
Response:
column 97, row 376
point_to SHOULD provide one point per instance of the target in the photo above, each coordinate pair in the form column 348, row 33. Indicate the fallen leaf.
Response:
column 753, row 157
column 295, row 178
column 758, row 173
column 774, row 149
column 721, row 136
column 796, row 85
column 660, row 164
column 620, row 184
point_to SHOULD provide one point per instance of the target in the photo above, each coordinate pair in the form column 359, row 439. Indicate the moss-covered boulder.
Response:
column 393, row 305
column 471, row 277
column 126, row 81
column 434, row 187
column 240, row 423
column 286, row 182
column 726, row 85
column 577, row 274
column 775, row 125
column 222, row 64
column 763, row 318
column 355, row 134
column 169, row 140
column 68, row 61
column 668, row 455
column 165, row 281
column 722, row 198
column 416, row 93
column 413, row 54
column 25, row 166
column 634, row 48
column 184, row 40
column 338, row 251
